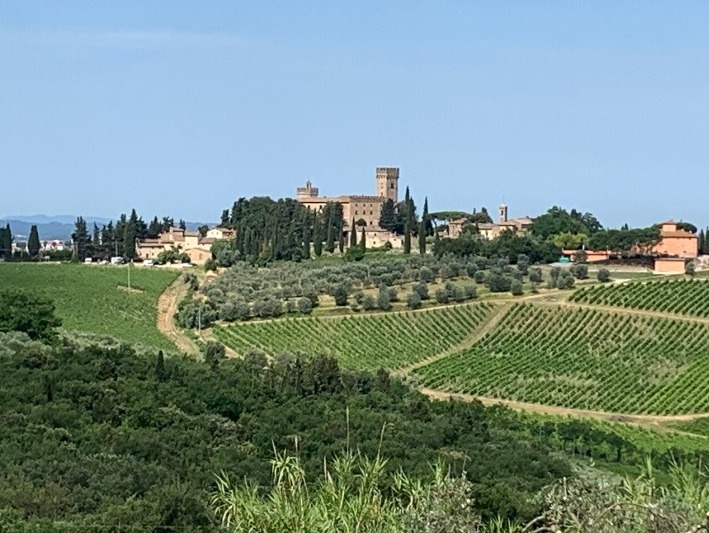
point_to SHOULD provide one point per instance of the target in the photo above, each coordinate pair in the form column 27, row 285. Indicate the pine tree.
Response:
column 154, row 229
column 80, row 238
column 33, row 244
column 422, row 237
column 387, row 218
column 353, row 234
column 183, row 225
column 363, row 240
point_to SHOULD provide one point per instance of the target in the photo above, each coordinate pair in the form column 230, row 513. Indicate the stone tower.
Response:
column 388, row 183
column 503, row 213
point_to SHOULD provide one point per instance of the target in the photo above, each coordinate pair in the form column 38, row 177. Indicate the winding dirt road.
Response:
column 643, row 420
column 167, row 307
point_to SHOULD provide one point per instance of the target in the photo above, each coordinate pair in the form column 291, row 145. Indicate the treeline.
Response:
column 507, row 246
column 273, row 230
column 117, row 239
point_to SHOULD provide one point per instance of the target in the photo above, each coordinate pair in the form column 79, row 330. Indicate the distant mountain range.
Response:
column 58, row 227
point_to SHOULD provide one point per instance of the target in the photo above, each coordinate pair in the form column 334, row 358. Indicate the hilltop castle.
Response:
column 361, row 207
column 357, row 207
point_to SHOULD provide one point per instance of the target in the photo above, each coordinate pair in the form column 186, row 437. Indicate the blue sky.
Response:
column 181, row 107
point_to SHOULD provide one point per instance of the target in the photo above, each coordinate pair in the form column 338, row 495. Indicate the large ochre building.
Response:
column 357, row 206
column 360, row 207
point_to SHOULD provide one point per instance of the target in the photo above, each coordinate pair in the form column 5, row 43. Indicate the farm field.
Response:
column 368, row 342
column 683, row 296
column 96, row 299
column 583, row 358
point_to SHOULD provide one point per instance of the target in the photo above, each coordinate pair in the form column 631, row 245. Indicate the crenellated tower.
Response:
column 388, row 183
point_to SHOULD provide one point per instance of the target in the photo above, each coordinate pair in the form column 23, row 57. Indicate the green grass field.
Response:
column 586, row 359
column 368, row 342
column 95, row 299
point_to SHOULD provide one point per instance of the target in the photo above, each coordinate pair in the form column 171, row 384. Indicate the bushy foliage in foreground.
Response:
column 96, row 437
column 349, row 497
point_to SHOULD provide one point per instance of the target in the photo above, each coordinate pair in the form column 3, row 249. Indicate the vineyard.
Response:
column 687, row 297
column 584, row 358
column 366, row 342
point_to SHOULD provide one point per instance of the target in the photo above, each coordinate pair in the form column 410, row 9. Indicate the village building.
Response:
column 492, row 230
column 674, row 248
column 365, row 210
column 670, row 265
column 219, row 234
column 675, row 242
column 198, row 248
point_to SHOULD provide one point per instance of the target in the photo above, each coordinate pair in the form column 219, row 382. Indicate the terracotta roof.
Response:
column 206, row 240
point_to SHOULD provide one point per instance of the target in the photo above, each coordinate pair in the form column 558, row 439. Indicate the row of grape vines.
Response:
column 369, row 342
column 584, row 358
column 687, row 297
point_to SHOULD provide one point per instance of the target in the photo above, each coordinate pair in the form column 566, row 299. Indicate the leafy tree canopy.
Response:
column 23, row 311
column 557, row 220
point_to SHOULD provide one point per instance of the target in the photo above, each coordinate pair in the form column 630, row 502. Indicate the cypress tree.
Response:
column 160, row 372
column 317, row 237
column 330, row 243
column 701, row 241
column 422, row 237
column 363, row 240
column 306, row 238
column 353, row 234
column 33, row 244
column 275, row 245
column 428, row 225
column 7, row 243
column 96, row 239
column 130, row 234
column 407, row 238
column 2, row 243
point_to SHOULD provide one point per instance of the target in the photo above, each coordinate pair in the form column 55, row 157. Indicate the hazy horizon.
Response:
column 178, row 109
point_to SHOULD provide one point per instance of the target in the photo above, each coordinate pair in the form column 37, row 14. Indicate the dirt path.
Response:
column 644, row 420
column 167, row 306
column 208, row 335
column 483, row 329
